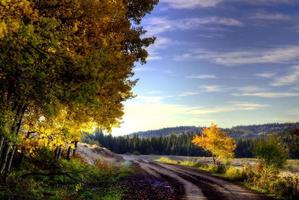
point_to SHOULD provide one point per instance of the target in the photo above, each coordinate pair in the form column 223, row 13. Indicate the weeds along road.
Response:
column 197, row 185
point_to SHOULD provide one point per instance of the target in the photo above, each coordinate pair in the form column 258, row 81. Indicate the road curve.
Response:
column 198, row 185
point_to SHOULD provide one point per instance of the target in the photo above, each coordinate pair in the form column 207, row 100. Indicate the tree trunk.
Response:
column 2, row 143
column 69, row 153
column 214, row 160
column 55, row 153
column 22, row 154
column 4, row 160
column 76, row 146
column 11, row 158
column 59, row 153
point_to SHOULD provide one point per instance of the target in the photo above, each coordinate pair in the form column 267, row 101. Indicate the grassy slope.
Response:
column 41, row 178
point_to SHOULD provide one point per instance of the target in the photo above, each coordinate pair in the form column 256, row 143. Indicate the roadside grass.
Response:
column 64, row 180
column 269, row 181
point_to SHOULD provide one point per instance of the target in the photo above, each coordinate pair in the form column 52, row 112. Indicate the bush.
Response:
column 234, row 173
column 271, row 151
column 217, row 169
column 269, row 180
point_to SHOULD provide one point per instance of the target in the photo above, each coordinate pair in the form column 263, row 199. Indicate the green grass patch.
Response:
column 64, row 180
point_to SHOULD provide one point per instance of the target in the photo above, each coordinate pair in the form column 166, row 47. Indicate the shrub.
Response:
column 234, row 173
column 217, row 169
column 271, row 151
column 269, row 180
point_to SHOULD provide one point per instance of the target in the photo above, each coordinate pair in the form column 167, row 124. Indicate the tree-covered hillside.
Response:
column 249, row 131
column 180, row 144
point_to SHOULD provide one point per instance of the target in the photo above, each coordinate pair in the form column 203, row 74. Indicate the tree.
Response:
column 76, row 56
column 217, row 142
column 271, row 151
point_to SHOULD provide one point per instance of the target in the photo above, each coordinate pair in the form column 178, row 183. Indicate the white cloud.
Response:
column 264, row 2
column 266, row 74
column 289, row 54
column 257, row 91
column 187, row 4
column 270, row 16
column 250, row 88
column 187, row 94
column 289, row 79
column 201, row 76
column 249, row 105
column 268, row 94
column 153, row 50
column 192, row 4
column 211, row 88
column 158, row 25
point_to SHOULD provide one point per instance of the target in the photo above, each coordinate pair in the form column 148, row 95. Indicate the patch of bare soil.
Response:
column 94, row 153
column 144, row 186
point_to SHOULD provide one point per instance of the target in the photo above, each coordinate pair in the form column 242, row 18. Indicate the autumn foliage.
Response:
column 65, row 67
column 217, row 142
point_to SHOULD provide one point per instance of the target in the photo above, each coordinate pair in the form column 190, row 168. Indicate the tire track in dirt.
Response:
column 225, row 189
column 192, row 192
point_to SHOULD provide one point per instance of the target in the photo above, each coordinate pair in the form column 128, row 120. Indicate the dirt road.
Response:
column 197, row 185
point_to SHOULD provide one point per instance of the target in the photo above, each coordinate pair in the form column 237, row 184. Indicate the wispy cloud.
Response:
column 248, row 105
column 256, row 91
column 212, row 88
column 266, row 74
column 288, row 79
column 189, row 93
column 270, row 16
column 251, row 89
column 268, row 94
column 201, row 76
column 154, row 50
column 158, row 25
column 192, row 4
column 289, row 54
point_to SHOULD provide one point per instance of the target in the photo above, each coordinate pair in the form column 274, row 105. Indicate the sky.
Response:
column 230, row 62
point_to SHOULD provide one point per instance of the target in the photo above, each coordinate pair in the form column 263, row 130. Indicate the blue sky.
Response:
column 231, row 62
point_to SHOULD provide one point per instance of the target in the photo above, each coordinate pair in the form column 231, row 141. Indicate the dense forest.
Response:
column 180, row 144
column 249, row 131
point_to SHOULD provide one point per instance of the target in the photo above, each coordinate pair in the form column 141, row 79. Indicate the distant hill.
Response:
column 167, row 131
column 250, row 131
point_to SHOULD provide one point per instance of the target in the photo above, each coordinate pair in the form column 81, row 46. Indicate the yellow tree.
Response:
column 217, row 142
column 56, row 133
